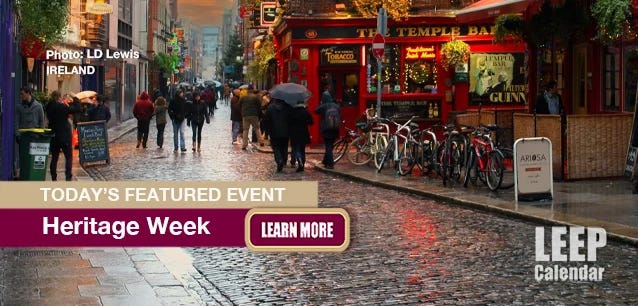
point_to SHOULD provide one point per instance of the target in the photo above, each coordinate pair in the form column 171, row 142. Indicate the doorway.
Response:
column 581, row 81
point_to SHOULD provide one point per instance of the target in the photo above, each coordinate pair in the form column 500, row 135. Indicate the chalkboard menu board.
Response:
column 404, row 109
column 93, row 141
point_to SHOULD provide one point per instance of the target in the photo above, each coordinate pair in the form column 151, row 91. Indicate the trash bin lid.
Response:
column 35, row 130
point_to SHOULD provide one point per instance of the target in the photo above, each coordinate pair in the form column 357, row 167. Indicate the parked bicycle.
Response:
column 341, row 145
column 397, row 150
column 452, row 155
column 366, row 147
column 485, row 160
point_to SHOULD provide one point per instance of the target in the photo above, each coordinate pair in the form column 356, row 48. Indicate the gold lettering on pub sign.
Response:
column 428, row 31
column 416, row 53
column 339, row 56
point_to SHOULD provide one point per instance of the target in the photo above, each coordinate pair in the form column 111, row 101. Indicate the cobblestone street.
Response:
column 404, row 248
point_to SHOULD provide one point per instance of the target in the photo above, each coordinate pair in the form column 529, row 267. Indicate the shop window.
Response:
column 631, row 78
column 389, row 72
column 420, row 77
column 611, row 81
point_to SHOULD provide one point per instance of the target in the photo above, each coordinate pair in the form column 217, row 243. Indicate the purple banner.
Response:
column 122, row 227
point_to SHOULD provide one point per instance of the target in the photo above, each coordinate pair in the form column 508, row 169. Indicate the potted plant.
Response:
column 454, row 52
column 509, row 25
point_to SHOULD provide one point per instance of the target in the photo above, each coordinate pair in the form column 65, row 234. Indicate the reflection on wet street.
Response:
column 404, row 249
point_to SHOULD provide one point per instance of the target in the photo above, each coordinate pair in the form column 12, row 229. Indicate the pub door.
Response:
column 344, row 84
column 581, row 80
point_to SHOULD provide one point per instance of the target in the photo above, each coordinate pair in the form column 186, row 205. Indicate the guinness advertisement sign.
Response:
column 339, row 55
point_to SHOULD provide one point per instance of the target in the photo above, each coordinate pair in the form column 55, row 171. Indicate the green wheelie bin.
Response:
column 34, row 153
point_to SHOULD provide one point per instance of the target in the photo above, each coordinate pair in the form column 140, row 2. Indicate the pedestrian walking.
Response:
column 177, row 113
column 330, row 120
column 235, row 116
column 250, row 107
column 277, row 115
column 161, row 109
column 198, row 114
column 299, row 121
column 99, row 111
column 58, row 116
column 143, row 112
column 210, row 98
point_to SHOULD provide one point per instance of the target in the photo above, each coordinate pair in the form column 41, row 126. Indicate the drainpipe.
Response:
column 9, row 65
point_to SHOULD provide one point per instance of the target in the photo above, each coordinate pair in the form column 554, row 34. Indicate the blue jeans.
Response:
column 236, row 127
column 178, row 127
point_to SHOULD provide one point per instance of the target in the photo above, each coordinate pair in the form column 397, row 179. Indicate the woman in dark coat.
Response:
column 198, row 113
column 277, row 115
column 299, row 121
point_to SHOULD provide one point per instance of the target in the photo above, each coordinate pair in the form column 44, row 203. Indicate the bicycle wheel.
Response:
column 339, row 149
column 494, row 175
column 385, row 156
column 406, row 159
column 508, row 168
column 358, row 151
column 380, row 146
column 469, row 170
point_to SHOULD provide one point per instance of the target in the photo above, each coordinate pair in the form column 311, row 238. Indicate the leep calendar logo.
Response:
column 587, row 239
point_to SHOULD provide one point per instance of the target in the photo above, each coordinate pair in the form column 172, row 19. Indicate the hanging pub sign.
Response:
column 339, row 55
column 498, row 79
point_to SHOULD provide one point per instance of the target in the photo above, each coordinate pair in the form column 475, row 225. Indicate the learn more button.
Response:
column 297, row 229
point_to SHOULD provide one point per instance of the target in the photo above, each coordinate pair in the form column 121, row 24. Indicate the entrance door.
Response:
column 580, row 80
column 344, row 87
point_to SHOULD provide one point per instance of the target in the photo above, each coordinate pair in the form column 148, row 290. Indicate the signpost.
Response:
column 533, row 179
column 378, row 49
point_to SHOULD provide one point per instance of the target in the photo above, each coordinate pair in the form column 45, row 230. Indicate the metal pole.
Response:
column 379, row 67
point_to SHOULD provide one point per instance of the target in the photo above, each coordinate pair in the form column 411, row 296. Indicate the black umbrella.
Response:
column 292, row 93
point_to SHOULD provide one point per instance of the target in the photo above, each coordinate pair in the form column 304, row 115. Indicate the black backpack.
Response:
column 332, row 119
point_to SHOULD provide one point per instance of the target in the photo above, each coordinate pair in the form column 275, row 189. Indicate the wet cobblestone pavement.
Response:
column 404, row 249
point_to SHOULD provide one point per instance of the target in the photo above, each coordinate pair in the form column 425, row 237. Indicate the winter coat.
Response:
column 161, row 108
column 29, row 115
column 177, row 109
column 235, row 109
column 143, row 110
column 250, row 105
column 321, row 110
column 198, row 113
column 299, row 120
column 277, row 115
column 99, row 112
column 58, row 116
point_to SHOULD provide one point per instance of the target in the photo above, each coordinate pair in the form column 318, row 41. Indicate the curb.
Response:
column 482, row 207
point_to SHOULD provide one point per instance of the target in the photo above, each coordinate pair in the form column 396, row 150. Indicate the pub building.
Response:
column 597, row 82
column 315, row 51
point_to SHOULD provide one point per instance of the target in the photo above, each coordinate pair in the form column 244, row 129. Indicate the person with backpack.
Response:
column 330, row 113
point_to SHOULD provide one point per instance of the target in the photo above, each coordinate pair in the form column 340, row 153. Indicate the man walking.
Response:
column 58, row 114
column 250, row 107
column 143, row 111
column 277, row 116
column 177, row 113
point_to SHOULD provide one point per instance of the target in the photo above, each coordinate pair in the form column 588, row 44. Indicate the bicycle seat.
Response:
column 491, row 127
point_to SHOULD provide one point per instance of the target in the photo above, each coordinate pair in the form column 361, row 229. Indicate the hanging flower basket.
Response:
column 509, row 25
column 454, row 52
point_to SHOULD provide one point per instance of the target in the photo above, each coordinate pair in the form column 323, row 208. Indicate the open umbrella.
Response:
column 85, row 94
column 245, row 86
column 217, row 84
column 292, row 93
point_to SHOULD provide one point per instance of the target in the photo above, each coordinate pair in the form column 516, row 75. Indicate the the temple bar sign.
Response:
column 339, row 55
column 393, row 31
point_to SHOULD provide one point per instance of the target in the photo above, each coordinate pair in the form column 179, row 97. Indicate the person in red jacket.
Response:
column 143, row 112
